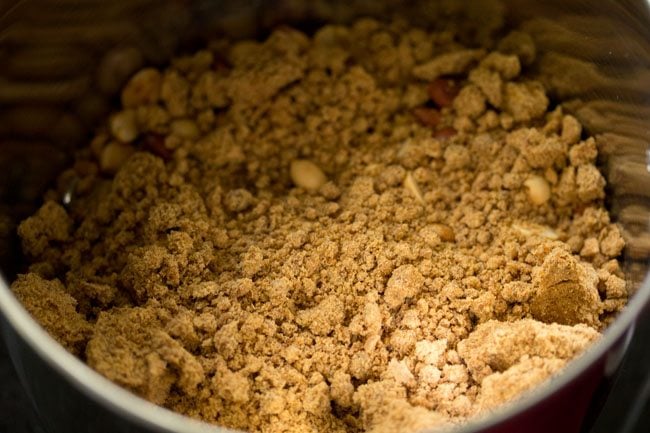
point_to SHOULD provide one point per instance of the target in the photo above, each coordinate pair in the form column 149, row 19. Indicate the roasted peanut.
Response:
column 445, row 232
column 442, row 91
column 426, row 116
column 305, row 174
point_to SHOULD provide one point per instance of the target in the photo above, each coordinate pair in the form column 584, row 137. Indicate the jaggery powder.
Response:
column 372, row 229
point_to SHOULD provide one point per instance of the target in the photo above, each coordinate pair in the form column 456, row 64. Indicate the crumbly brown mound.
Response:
column 371, row 229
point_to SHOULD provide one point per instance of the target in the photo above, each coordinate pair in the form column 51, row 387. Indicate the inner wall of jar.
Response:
column 65, row 61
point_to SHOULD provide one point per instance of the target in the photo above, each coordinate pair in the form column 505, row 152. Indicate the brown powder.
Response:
column 372, row 229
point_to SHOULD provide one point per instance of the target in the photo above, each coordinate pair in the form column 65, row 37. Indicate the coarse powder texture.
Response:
column 372, row 229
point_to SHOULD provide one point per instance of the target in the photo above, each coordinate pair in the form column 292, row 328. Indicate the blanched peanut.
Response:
column 549, row 233
column 539, row 192
column 445, row 232
column 412, row 186
column 114, row 155
column 142, row 89
column 185, row 128
column 530, row 229
column 123, row 126
column 305, row 174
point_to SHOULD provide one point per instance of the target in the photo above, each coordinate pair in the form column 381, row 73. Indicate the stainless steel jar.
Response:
column 63, row 61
